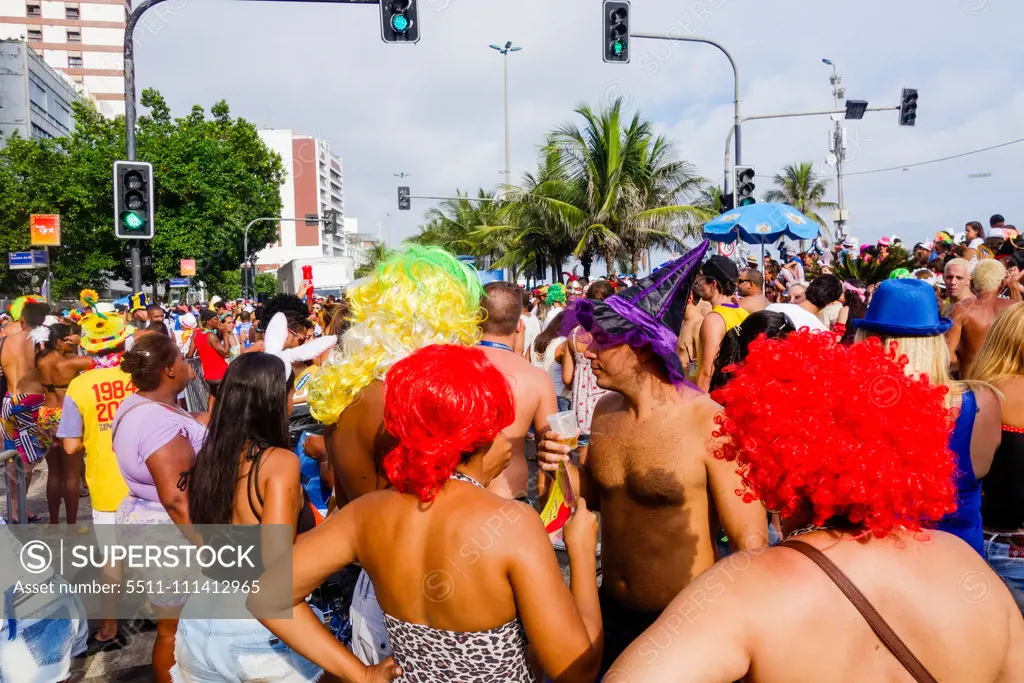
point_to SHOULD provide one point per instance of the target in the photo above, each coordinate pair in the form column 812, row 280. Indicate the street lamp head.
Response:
column 495, row 47
column 508, row 44
column 515, row 49
column 827, row 61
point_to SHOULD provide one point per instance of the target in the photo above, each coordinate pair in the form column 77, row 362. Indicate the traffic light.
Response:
column 727, row 202
column 133, row 200
column 398, row 21
column 908, row 107
column 616, row 31
column 745, row 186
column 404, row 201
column 331, row 222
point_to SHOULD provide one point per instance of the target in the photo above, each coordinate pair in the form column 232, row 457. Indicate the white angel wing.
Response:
column 276, row 335
column 40, row 335
column 306, row 352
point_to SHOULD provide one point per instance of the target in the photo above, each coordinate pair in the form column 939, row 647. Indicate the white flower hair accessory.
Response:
column 277, row 335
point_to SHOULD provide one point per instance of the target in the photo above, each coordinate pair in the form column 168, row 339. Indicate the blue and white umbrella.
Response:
column 761, row 224
column 764, row 223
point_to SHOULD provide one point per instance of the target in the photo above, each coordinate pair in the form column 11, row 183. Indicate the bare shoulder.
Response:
column 699, row 406
column 280, row 462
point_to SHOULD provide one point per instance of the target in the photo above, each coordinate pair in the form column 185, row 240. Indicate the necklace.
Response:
column 459, row 476
column 494, row 345
column 808, row 529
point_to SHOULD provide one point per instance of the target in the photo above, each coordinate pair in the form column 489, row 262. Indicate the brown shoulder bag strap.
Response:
column 892, row 642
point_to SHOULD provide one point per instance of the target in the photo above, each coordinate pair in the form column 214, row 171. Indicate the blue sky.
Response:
column 435, row 109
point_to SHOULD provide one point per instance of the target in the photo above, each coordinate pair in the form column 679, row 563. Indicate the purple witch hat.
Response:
column 650, row 313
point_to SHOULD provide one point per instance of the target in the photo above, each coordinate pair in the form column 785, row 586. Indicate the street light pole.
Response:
column 838, row 148
column 737, row 120
column 504, row 51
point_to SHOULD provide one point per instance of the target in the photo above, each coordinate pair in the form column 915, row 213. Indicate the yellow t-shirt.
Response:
column 97, row 394
column 733, row 316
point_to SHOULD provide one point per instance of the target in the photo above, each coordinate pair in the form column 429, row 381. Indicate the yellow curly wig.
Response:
column 416, row 298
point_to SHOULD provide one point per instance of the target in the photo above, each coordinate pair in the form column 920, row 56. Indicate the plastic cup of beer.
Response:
column 564, row 424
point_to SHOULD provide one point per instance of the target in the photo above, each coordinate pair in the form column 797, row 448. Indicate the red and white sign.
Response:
column 726, row 248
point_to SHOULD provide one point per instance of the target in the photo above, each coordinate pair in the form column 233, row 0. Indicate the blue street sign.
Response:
column 179, row 283
column 18, row 260
column 26, row 260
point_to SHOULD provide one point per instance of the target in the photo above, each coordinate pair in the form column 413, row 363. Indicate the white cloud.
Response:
column 435, row 109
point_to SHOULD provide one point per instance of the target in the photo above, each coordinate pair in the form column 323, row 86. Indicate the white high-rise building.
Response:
column 313, row 185
column 83, row 39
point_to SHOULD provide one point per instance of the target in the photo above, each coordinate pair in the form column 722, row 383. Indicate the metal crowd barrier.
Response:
column 197, row 397
column 19, row 474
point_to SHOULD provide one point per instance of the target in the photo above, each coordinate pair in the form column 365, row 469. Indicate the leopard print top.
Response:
column 429, row 655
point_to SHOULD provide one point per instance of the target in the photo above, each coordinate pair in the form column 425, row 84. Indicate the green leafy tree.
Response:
column 803, row 189
column 265, row 284
column 212, row 175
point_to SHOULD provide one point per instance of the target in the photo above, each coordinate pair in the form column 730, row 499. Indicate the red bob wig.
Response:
column 839, row 430
column 442, row 403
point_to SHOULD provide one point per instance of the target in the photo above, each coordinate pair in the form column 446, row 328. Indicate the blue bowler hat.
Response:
column 904, row 308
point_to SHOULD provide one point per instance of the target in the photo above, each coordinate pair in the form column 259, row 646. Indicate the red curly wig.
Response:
column 442, row 403
column 839, row 430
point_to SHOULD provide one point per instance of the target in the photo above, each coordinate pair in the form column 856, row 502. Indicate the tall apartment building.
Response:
column 35, row 100
column 313, row 185
column 83, row 39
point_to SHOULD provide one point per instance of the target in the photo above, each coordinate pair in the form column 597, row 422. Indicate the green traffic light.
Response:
column 748, row 201
column 619, row 47
column 400, row 23
column 133, row 220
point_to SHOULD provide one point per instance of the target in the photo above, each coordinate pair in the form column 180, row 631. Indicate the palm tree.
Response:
column 711, row 200
column 611, row 188
column 452, row 224
column 803, row 189
column 378, row 254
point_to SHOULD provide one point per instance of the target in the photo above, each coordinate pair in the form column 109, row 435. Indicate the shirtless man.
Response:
column 21, row 403
column 650, row 469
column 534, row 393
column 957, row 277
column 972, row 317
column 775, row 616
column 689, row 334
column 750, row 284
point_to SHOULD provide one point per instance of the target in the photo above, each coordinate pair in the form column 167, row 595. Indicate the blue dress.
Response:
column 965, row 522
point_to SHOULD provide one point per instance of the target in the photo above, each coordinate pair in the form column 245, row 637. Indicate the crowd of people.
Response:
column 725, row 418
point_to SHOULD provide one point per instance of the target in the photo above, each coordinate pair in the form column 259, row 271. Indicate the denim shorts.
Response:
column 215, row 650
column 43, row 646
column 1009, row 569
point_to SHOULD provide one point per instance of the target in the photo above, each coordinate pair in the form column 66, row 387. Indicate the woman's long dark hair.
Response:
column 736, row 342
column 548, row 335
column 858, row 309
column 251, row 408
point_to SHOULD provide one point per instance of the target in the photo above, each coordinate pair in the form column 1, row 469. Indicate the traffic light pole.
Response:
column 737, row 119
column 130, row 117
column 254, row 221
column 730, row 171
